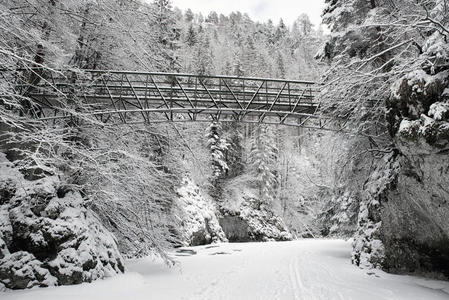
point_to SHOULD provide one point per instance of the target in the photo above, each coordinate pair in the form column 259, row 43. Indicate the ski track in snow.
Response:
column 298, row 270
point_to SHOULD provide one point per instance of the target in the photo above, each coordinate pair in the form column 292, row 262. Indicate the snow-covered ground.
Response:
column 306, row 269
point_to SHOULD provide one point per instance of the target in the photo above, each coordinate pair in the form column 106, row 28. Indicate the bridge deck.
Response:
column 129, row 97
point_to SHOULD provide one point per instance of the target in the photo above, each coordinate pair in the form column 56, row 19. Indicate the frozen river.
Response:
column 305, row 269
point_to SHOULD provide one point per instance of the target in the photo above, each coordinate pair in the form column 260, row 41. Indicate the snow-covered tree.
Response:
column 218, row 147
column 168, row 33
column 303, row 25
column 262, row 162
column 234, row 155
column 281, row 31
column 280, row 67
column 212, row 18
column 189, row 16
column 203, row 57
column 191, row 38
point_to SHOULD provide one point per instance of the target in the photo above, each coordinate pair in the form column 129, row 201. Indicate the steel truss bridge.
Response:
column 126, row 97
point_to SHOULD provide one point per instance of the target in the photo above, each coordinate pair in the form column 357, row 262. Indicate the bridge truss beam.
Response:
column 116, row 97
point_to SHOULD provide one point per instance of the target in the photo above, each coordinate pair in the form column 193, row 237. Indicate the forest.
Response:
column 82, row 200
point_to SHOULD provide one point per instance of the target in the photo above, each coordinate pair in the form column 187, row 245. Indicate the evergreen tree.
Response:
column 249, row 57
column 191, row 38
column 218, row 147
column 189, row 16
column 203, row 59
column 227, row 68
column 262, row 162
column 168, row 34
column 238, row 69
column 281, row 31
column 200, row 18
column 280, row 67
column 234, row 154
column 304, row 25
column 270, row 32
column 212, row 18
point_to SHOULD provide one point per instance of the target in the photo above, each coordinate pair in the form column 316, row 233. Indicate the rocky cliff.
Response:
column 404, row 216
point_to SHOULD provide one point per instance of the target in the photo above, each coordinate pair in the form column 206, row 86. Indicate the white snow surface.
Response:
column 304, row 269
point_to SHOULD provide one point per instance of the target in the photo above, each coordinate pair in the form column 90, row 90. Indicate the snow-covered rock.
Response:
column 49, row 238
column 419, row 107
column 368, row 248
column 403, row 219
column 415, row 214
column 247, row 219
column 264, row 225
column 439, row 110
column 22, row 270
column 197, row 214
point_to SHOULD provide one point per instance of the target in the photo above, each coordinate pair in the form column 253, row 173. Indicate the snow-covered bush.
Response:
column 341, row 212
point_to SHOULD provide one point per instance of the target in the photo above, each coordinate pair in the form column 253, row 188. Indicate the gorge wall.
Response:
column 403, row 221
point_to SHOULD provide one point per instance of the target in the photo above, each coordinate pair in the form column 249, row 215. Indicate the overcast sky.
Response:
column 259, row 10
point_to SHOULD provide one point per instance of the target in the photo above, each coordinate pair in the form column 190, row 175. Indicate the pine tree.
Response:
column 234, row 154
column 262, row 162
column 281, row 31
column 249, row 55
column 212, row 18
column 270, row 32
column 280, row 67
column 200, row 18
column 227, row 69
column 218, row 147
column 203, row 57
column 239, row 69
column 191, row 38
column 304, row 25
column 168, row 34
column 189, row 16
